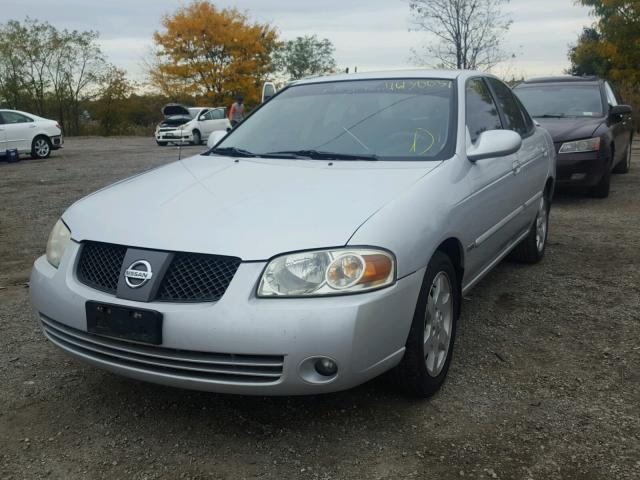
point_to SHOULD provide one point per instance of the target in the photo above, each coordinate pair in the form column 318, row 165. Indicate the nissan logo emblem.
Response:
column 138, row 274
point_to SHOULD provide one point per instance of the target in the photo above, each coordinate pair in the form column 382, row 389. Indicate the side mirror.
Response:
column 494, row 143
column 215, row 138
column 201, row 118
column 268, row 91
column 618, row 110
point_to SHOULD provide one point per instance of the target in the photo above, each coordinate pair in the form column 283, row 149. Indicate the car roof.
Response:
column 563, row 79
column 391, row 74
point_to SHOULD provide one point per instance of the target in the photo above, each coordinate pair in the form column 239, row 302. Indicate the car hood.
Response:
column 175, row 121
column 175, row 109
column 249, row 208
column 566, row 129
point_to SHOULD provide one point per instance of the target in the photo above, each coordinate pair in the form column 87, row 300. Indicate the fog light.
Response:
column 326, row 367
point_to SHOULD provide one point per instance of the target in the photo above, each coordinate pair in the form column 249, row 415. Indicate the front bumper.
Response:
column 581, row 169
column 364, row 334
column 174, row 136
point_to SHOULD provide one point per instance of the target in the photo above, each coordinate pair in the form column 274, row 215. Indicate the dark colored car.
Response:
column 591, row 128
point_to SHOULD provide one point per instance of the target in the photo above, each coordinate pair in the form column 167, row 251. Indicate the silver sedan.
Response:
column 326, row 240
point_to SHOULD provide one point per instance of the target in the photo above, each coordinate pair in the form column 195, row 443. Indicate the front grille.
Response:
column 194, row 277
column 100, row 264
column 167, row 362
column 191, row 277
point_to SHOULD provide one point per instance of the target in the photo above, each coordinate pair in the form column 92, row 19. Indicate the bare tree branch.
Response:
column 468, row 32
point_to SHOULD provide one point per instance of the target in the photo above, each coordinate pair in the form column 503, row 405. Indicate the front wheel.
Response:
column 429, row 346
column 197, row 139
column 41, row 147
column 625, row 165
column 602, row 188
column 531, row 249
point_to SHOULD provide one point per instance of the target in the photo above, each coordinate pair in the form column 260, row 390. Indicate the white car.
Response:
column 190, row 125
column 29, row 133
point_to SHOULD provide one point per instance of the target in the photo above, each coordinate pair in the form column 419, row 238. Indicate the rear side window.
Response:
column 481, row 111
column 514, row 116
column 14, row 117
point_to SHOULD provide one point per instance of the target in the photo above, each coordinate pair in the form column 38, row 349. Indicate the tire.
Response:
column 422, row 372
column 601, row 189
column 197, row 138
column 531, row 249
column 162, row 144
column 625, row 165
column 41, row 147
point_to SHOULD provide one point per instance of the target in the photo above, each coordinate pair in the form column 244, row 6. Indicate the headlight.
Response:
column 59, row 240
column 588, row 145
column 327, row 272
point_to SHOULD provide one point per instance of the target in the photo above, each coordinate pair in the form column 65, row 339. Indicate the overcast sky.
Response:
column 369, row 34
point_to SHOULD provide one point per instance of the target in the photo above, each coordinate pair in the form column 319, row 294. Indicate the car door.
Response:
column 219, row 119
column 532, row 160
column 205, row 123
column 3, row 136
column 19, row 130
column 620, row 129
column 491, row 205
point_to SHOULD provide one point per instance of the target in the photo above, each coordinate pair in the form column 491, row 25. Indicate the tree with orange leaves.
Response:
column 207, row 53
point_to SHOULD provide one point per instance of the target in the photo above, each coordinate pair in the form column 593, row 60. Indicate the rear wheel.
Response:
column 41, row 147
column 625, row 165
column 197, row 139
column 531, row 249
column 429, row 346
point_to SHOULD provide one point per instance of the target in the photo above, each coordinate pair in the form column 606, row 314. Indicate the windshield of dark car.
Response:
column 399, row 119
column 561, row 100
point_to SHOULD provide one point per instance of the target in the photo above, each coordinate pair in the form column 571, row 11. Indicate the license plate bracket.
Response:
column 117, row 321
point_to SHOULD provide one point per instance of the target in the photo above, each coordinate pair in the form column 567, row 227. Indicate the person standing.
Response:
column 236, row 114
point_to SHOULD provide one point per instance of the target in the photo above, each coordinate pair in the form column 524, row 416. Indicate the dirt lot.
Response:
column 545, row 381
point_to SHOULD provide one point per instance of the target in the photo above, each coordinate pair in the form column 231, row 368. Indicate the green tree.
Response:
column 48, row 71
column 111, row 106
column 611, row 48
column 305, row 56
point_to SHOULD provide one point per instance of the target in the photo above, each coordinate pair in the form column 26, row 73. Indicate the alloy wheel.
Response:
column 541, row 224
column 41, row 147
column 438, row 323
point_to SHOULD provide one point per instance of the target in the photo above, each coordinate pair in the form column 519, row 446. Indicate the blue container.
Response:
column 12, row 155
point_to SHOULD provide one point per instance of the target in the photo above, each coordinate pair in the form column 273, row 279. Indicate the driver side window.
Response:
column 217, row 114
column 481, row 111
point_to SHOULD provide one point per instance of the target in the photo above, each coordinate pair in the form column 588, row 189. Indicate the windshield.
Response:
column 566, row 100
column 400, row 119
column 194, row 111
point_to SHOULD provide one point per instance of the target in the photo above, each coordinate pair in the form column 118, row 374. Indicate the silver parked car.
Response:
column 326, row 240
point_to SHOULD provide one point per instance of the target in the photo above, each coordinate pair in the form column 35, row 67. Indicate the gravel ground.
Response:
column 545, row 382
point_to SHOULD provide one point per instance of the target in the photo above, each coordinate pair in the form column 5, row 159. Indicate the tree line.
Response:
column 203, row 55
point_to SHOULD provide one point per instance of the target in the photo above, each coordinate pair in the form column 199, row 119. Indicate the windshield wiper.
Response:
column 232, row 152
column 322, row 155
column 551, row 115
